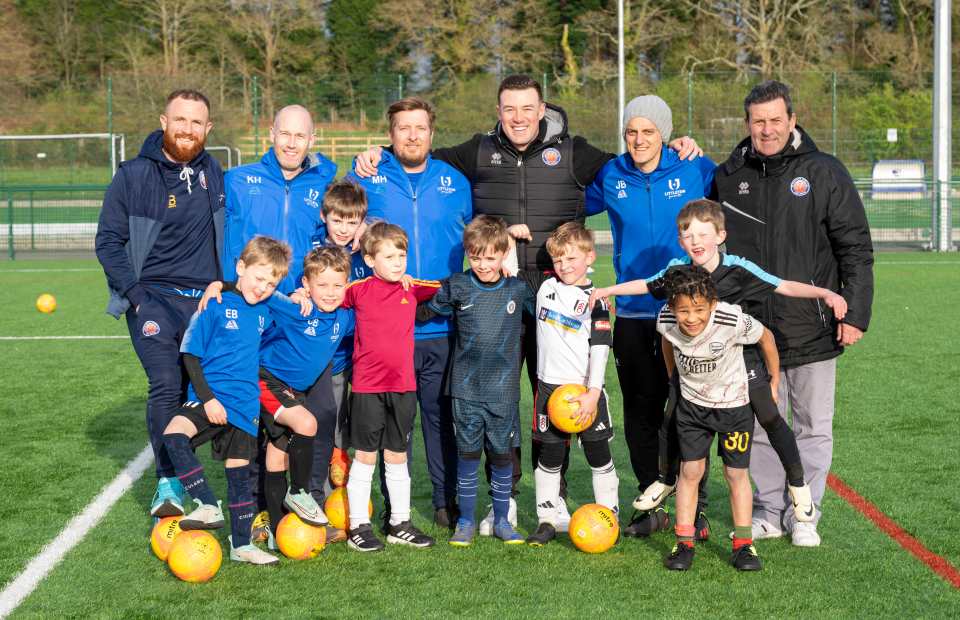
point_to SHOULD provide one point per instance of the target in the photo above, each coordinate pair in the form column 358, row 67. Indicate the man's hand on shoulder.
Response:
column 686, row 147
column 365, row 164
column 212, row 292
column 520, row 231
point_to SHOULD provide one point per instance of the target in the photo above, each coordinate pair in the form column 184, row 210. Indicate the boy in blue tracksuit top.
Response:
column 220, row 353
column 261, row 200
column 294, row 354
column 432, row 202
column 642, row 192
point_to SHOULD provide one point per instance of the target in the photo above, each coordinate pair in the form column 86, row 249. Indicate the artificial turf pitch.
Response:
column 73, row 417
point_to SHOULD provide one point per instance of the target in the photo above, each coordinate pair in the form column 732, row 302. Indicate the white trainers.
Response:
column 204, row 517
column 653, row 496
column 805, row 534
column 251, row 554
column 803, row 508
column 563, row 516
column 486, row 526
column 763, row 529
column 305, row 506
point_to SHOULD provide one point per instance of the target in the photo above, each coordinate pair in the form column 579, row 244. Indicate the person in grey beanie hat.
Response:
column 655, row 110
column 642, row 192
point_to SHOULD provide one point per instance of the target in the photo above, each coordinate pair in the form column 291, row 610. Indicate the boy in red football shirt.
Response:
column 383, row 404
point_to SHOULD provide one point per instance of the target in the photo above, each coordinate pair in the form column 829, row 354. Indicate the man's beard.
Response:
column 407, row 161
column 182, row 155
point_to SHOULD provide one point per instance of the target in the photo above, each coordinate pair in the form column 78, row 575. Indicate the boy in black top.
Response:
column 484, row 375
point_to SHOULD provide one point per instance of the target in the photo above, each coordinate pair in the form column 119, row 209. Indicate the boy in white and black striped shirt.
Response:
column 703, row 341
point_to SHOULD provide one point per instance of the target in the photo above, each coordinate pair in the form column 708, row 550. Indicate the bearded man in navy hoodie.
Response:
column 159, row 238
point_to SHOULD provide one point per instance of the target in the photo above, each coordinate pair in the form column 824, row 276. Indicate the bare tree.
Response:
column 761, row 35
column 175, row 23
column 456, row 34
column 16, row 67
column 266, row 25
column 646, row 24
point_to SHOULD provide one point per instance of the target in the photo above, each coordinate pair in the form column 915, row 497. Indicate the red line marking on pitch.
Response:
column 888, row 526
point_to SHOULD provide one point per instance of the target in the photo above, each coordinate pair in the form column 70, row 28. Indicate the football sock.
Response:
column 501, row 487
column 606, row 485
column 398, row 486
column 742, row 535
column 358, row 493
column 300, row 450
column 467, row 475
column 188, row 468
column 685, row 533
column 785, row 445
column 547, row 484
column 274, row 490
column 241, row 504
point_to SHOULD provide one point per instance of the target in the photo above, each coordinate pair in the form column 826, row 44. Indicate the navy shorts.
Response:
column 756, row 370
column 276, row 395
column 382, row 421
column 545, row 431
column 696, row 426
column 226, row 441
column 494, row 425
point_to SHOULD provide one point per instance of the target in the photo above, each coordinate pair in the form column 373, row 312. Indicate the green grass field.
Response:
column 73, row 412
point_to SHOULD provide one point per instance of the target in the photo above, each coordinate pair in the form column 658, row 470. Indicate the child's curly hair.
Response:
column 690, row 280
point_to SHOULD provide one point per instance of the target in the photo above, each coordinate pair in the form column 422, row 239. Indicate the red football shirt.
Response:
column 383, row 338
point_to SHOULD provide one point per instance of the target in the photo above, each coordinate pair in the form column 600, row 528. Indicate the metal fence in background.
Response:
column 64, row 219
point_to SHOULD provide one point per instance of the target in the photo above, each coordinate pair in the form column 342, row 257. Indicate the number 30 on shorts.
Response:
column 737, row 441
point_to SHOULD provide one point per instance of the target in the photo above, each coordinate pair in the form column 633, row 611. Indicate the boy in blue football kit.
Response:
column 484, row 381
column 220, row 354
column 343, row 211
column 295, row 351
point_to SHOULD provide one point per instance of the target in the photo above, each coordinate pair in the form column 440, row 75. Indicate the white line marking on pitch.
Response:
column 39, row 567
column 45, row 270
column 64, row 337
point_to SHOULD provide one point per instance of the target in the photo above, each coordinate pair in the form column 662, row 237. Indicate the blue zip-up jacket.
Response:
column 433, row 214
column 643, row 212
column 134, row 208
column 261, row 202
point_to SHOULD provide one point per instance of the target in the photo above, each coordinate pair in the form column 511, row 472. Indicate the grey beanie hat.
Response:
column 652, row 108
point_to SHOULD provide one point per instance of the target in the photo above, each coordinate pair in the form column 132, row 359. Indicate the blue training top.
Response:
column 226, row 339
column 298, row 348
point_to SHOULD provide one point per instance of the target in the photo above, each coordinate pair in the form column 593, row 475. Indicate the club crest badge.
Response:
column 800, row 187
column 551, row 156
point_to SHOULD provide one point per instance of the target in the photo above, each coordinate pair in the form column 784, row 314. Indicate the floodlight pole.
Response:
column 942, row 222
column 621, row 97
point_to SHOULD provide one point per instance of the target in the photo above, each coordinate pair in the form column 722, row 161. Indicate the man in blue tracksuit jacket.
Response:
column 432, row 202
column 642, row 191
column 279, row 196
column 159, row 239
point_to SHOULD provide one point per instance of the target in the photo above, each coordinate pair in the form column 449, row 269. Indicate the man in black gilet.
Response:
column 531, row 172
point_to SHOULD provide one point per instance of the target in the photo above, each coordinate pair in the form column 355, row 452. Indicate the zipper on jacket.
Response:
column 523, row 208
column 416, row 224
column 823, row 319
column 286, row 208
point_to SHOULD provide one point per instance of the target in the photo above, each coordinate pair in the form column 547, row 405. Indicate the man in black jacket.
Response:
column 795, row 212
column 532, row 173
column 159, row 238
